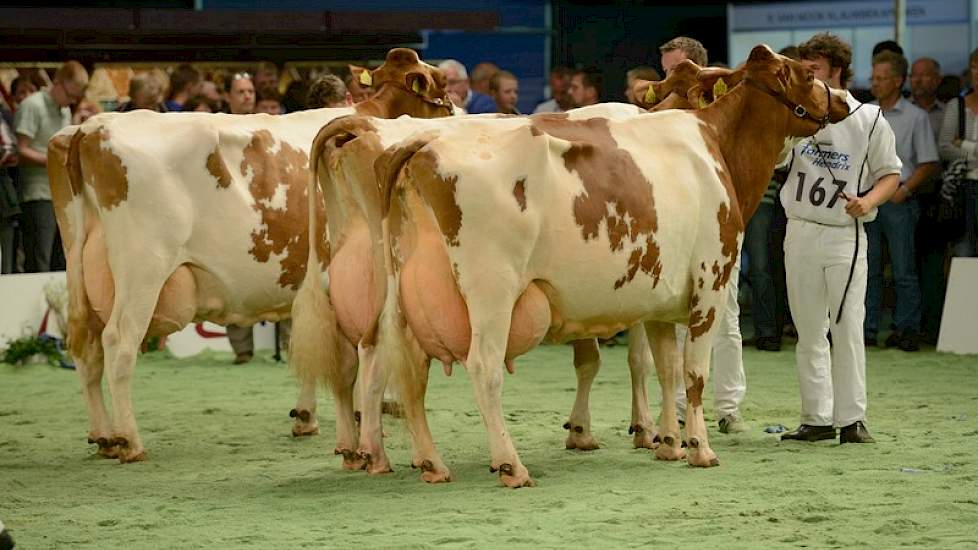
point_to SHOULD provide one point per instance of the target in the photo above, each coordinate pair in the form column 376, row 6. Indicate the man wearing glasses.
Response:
column 897, row 220
column 39, row 117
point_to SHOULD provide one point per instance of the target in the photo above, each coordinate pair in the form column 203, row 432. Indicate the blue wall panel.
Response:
column 521, row 54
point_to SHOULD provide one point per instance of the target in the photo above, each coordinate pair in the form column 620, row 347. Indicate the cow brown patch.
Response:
column 730, row 226
column 283, row 231
column 217, row 168
column 61, row 188
column 694, row 393
column 519, row 191
column 438, row 191
column 699, row 323
column 103, row 171
column 610, row 177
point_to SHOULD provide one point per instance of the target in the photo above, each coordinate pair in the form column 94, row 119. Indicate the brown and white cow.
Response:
column 343, row 164
column 505, row 233
column 180, row 217
column 343, row 157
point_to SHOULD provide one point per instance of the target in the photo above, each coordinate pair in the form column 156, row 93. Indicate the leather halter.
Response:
column 797, row 109
column 443, row 103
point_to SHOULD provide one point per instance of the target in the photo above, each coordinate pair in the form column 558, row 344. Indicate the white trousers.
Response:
column 726, row 359
column 832, row 379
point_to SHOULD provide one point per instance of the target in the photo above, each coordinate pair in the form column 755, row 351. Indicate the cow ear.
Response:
column 645, row 93
column 362, row 75
column 695, row 96
column 784, row 76
column 416, row 82
column 715, row 81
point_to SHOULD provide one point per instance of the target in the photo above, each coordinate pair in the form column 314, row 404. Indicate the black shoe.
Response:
column 768, row 343
column 893, row 340
column 909, row 342
column 810, row 433
column 6, row 541
column 855, row 433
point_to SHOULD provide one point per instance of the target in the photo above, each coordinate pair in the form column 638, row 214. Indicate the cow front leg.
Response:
column 371, row 383
column 587, row 362
column 643, row 430
column 662, row 338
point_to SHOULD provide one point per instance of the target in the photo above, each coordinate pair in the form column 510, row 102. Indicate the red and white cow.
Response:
column 343, row 164
column 503, row 233
column 179, row 217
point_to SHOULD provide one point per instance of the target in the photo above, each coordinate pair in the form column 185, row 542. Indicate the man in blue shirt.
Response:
column 461, row 93
column 897, row 220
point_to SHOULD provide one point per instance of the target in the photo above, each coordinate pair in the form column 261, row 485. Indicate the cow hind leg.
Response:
column 643, row 430
column 400, row 351
column 85, row 345
column 343, row 386
column 372, row 380
column 587, row 362
column 662, row 338
column 485, row 364
column 90, row 367
column 696, row 370
column 136, row 295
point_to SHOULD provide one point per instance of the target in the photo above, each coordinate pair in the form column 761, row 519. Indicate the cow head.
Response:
column 405, row 85
column 812, row 103
column 669, row 93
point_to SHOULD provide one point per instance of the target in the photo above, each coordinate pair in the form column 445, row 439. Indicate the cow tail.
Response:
column 82, row 339
column 314, row 347
column 388, row 166
column 398, row 348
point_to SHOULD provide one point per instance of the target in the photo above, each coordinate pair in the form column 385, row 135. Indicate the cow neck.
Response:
column 750, row 128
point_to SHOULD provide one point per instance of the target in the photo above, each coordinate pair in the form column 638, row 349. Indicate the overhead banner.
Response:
column 757, row 17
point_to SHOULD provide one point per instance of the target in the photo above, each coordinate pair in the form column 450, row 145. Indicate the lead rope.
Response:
column 855, row 252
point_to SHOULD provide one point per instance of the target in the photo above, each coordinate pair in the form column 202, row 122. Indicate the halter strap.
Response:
column 436, row 102
column 797, row 109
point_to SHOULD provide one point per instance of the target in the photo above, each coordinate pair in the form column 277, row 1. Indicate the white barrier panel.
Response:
column 23, row 304
column 959, row 324
column 197, row 337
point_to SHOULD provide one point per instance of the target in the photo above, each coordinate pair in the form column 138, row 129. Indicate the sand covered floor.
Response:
column 224, row 471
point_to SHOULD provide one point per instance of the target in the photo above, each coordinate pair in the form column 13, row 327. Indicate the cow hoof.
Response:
column 375, row 464
column 668, row 450
column 304, row 432
column 127, row 456
column 515, row 478
column 431, row 472
column 703, row 457
column 350, row 460
column 581, row 442
column 644, row 440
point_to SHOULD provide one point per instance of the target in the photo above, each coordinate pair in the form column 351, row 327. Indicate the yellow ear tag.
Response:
column 719, row 88
column 702, row 102
column 366, row 79
column 415, row 87
column 650, row 95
